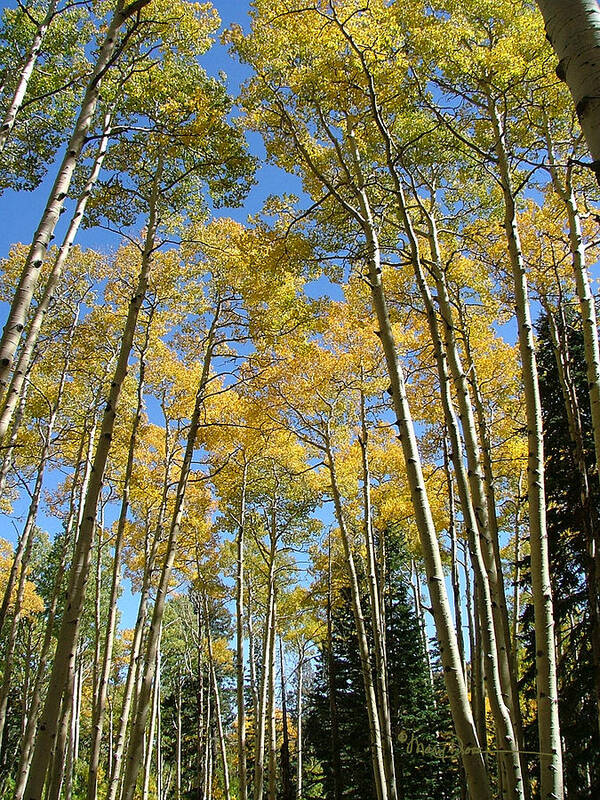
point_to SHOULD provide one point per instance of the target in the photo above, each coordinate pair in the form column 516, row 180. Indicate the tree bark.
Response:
column 573, row 30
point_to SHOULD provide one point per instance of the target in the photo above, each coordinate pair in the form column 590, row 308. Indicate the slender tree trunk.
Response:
column 69, row 629
column 134, row 753
column 377, row 624
column 299, row 711
column 217, row 699
column 59, row 766
column 13, row 109
column 26, row 353
column 260, row 723
column 239, row 621
column 454, row 573
column 272, row 745
column 379, row 772
column 152, row 730
column 100, row 705
column 287, row 786
column 136, row 647
column 331, row 685
column 35, row 259
column 547, row 691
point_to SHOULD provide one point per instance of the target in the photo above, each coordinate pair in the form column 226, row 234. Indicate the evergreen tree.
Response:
column 424, row 768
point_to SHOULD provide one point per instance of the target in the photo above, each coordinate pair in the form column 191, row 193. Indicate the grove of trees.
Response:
column 300, row 499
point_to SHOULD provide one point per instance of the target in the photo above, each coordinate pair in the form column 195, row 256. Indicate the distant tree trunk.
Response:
column 287, row 786
column 260, row 723
column 136, row 646
column 377, row 623
column 377, row 758
column 299, row 712
column 331, row 686
column 217, row 699
column 239, row 621
column 272, row 748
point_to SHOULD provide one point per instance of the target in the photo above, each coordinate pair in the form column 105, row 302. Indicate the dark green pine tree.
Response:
column 420, row 719
column 567, row 518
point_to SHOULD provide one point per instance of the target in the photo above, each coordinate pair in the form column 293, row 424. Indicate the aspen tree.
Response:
column 80, row 568
column 31, row 271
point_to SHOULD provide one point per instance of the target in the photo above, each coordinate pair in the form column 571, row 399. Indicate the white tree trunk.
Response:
column 573, row 29
column 30, row 274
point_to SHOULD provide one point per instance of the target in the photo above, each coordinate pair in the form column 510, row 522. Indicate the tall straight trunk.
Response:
column 26, row 353
column 331, row 687
column 200, row 726
column 148, row 750
column 260, row 723
column 100, row 705
column 415, row 582
column 454, row 572
column 377, row 757
column 61, row 742
column 178, row 736
column 573, row 30
column 207, row 772
column 134, row 667
column 299, row 712
column 478, row 667
column 377, row 623
column 69, row 630
column 217, row 699
column 16, row 102
column 272, row 743
column 551, row 769
column 135, row 749
column 252, row 654
column 287, row 787
column 36, row 699
column 239, row 628
column 30, row 274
